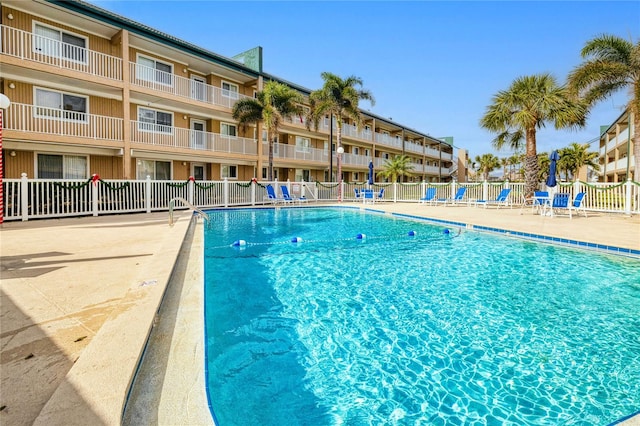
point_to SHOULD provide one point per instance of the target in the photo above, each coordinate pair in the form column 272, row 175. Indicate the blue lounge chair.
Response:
column 288, row 198
column 429, row 196
column 560, row 204
column 271, row 195
column 578, row 203
column 501, row 200
column 380, row 195
column 356, row 192
column 456, row 199
column 368, row 196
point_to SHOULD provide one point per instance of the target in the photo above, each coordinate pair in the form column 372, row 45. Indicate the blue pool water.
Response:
column 432, row 329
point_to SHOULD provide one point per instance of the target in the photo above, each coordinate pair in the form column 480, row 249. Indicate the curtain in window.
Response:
column 46, row 41
column 163, row 170
column 73, row 48
column 75, row 167
column 49, row 166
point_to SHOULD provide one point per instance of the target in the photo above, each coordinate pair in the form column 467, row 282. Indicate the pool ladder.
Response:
column 172, row 205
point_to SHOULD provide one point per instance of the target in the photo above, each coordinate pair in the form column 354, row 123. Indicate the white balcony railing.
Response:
column 388, row 140
column 52, row 121
column 174, row 137
column 161, row 81
column 293, row 152
column 30, row 47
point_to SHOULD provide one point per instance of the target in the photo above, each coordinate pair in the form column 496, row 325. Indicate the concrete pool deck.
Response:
column 79, row 296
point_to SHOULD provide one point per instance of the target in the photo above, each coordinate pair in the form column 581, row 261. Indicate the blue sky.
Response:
column 431, row 66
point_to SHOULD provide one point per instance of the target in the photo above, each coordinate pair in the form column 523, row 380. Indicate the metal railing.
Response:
column 26, row 199
column 176, row 137
column 165, row 82
column 53, row 121
column 31, row 47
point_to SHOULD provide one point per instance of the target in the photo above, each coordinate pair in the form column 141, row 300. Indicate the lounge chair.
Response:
column 356, row 192
column 540, row 200
column 501, row 200
column 456, row 199
column 288, row 198
column 560, row 204
column 368, row 196
column 271, row 195
column 578, row 203
column 429, row 196
column 380, row 195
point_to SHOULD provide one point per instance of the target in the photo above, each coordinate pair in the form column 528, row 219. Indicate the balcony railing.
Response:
column 165, row 82
column 30, row 47
column 53, row 121
column 174, row 137
column 384, row 139
column 293, row 152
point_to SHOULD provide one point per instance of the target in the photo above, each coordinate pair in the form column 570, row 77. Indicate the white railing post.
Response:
column 627, row 197
column 24, row 197
column 225, row 192
column 147, row 194
column 395, row 192
column 94, row 194
column 485, row 190
column 254, row 186
column 191, row 190
column 576, row 188
column 302, row 189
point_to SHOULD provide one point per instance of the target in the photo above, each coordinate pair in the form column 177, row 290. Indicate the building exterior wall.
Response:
column 616, row 150
column 108, row 73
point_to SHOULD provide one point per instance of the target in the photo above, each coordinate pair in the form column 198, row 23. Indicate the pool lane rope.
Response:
column 360, row 236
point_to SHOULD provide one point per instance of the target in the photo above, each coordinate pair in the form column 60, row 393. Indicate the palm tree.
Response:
column 518, row 112
column 397, row 167
column 575, row 156
column 337, row 98
column 611, row 63
column 543, row 166
column 271, row 106
column 486, row 164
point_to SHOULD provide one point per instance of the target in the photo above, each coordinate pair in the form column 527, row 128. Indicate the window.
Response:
column 150, row 120
column 229, row 90
column 356, row 176
column 367, row 152
column 157, row 170
column 302, row 175
column 228, row 129
column 50, row 103
column 303, row 144
column 150, row 69
column 52, row 166
column 198, row 88
column 356, row 150
column 60, row 44
column 229, row 172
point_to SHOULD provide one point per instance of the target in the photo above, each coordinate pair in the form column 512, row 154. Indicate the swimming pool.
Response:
column 434, row 328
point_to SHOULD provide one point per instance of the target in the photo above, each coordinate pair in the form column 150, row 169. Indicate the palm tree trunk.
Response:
column 339, row 139
column 530, row 165
column 636, row 146
column 271, row 141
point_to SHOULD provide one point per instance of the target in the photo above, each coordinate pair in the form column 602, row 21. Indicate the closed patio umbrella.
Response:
column 370, row 172
column 551, row 179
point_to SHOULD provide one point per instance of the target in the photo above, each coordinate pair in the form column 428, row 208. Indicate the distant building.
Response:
column 616, row 149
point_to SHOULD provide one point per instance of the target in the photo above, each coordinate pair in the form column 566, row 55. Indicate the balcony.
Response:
column 294, row 152
column 52, row 121
column 175, row 137
column 388, row 140
column 29, row 47
column 168, row 83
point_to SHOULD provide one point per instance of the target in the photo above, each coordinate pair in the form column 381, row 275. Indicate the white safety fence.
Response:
column 26, row 198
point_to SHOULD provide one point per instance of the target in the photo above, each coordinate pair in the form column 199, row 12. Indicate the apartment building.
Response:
column 93, row 92
column 616, row 149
